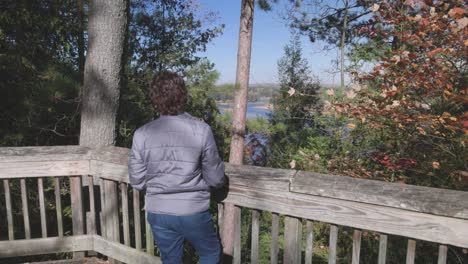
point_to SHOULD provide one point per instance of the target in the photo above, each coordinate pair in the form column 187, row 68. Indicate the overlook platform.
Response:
column 107, row 216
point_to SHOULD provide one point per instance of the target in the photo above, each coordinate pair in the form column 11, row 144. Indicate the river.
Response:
column 254, row 109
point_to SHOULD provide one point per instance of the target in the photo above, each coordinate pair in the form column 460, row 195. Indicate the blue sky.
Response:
column 269, row 37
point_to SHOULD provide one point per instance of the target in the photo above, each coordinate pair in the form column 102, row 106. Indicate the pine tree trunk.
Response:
column 239, row 117
column 107, row 28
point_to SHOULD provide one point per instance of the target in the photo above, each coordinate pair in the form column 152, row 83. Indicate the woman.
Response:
column 175, row 159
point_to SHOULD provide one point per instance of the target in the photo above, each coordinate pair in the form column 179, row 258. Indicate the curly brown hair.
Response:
column 168, row 93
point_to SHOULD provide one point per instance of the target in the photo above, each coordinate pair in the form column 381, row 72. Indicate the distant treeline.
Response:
column 225, row 92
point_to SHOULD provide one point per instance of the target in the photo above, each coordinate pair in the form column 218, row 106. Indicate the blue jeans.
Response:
column 170, row 231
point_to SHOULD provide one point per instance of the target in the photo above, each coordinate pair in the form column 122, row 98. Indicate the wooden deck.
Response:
column 105, row 225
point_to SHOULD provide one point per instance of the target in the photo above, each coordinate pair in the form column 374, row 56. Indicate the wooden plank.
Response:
column 382, row 249
column 24, row 202
column 123, row 253
column 292, row 240
column 442, row 259
column 109, row 171
column 440, row 229
column 20, row 154
column 58, row 206
column 309, row 242
column 220, row 220
column 409, row 197
column 125, row 215
column 27, row 169
column 41, row 246
column 356, row 246
column 332, row 244
column 76, row 198
column 40, row 189
column 274, row 238
column 254, row 235
column 91, row 225
column 136, row 218
column 102, row 214
column 11, row 230
column 411, row 251
column 237, row 239
column 149, row 236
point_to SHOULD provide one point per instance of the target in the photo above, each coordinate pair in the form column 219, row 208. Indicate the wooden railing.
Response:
column 298, row 198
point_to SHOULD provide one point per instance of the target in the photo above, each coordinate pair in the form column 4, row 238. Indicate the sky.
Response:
column 270, row 35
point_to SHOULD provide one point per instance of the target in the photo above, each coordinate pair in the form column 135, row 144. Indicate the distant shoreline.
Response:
column 263, row 104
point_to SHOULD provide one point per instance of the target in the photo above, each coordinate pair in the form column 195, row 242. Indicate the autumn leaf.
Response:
column 292, row 164
column 457, row 11
column 436, row 165
column 375, row 8
column 291, row 91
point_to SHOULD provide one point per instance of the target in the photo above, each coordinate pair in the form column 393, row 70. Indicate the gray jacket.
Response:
column 176, row 160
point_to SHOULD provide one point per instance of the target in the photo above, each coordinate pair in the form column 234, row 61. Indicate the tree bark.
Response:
column 231, row 212
column 107, row 28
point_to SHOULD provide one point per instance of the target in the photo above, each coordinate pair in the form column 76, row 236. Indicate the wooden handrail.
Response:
column 431, row 214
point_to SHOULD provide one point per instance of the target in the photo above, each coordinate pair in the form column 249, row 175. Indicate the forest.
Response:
column 401, row 118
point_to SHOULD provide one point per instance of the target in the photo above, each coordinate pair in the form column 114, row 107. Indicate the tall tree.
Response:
column 239, row 115
column 335, row 24
column 107, row 27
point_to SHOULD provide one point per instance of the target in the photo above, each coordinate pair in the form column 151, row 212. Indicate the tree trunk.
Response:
column 107, row 28
column 342, row 46
column 231, row 212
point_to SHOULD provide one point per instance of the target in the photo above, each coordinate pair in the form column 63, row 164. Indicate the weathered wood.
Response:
column 254, row 235
column 409, row 197
column 149, row 236
column 383, row 219
column 11, row 230
column 27, row 169
column 40, row 189
column 332, row 244
column 292, row 240
column 442, row 259
column 220, row 220
column 111, row 211
column 356, row 246
column 274, row 238
column 237, row 238
column 76, row 198
column 58, row 206
column 411, row 251
column 91, row 226
column 259, row 177
column 136, row 218
column 309, row 242
column 382, row 249
column 125, row 215
column 24, row 202
column 22, row 154
column 102, row 214
column 123, row 253
column 40, row 246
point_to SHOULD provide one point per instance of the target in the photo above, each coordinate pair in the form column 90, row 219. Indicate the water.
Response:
column 252, row 109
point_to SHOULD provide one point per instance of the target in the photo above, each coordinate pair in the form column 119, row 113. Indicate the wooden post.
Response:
column 76, row 197
column 292, row 240
column 274, row 238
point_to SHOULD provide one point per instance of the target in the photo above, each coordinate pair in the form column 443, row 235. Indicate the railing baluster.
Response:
column 58, row 206
column 237, row 238
column 149, row 236
column 411, row 251
column 126, row 225
column 309, row 242
column 382, row 249
column 11, row 231
column 356, row 246
column 102, row 214
column 274, row 238
column 332, row 244
column 40, row 189
column 255, row 235
column 220, row 220
column 24, row 201
column 292, row 240
column 91, row 217
column 442, row 254
column 136, row 218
